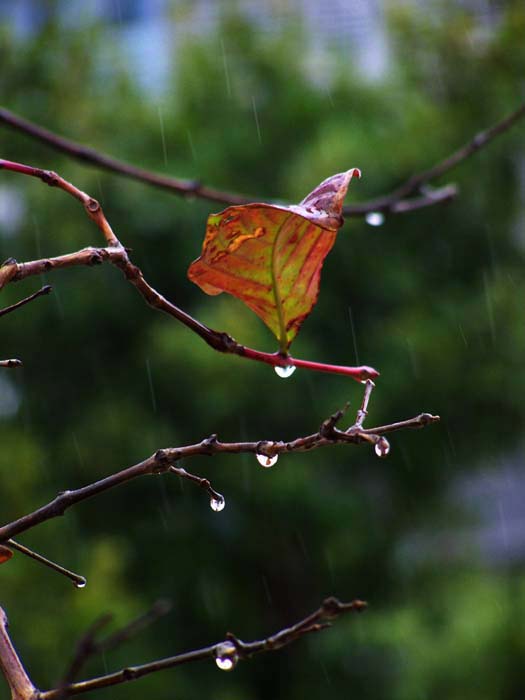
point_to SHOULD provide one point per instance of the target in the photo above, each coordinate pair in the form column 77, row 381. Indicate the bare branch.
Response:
column 101, row 160
column 163, row 461
column 116, row 254
column 479, row 141
column 19, row 682
column 390, row 204
column 88, row 645
column 420, row 421
column 363, row 411
column 226, row 653
column 84, row 649
column 8, row 309
column 393, row 203
column 78, row 580
column 160, row 608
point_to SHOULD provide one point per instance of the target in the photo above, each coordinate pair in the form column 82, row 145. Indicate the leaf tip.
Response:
column 327, row 198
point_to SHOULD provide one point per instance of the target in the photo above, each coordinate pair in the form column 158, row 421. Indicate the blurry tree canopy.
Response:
column 433, row 299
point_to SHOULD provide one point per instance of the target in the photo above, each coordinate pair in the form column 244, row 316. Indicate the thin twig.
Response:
column 420, row 421
column 327, row 426
column 84, row 649
column 8, row 309
column 393, row 203
column 89, row 645
column 117, row 255
column 479, row 141
column 78, row 580
column 226, row 653
column 160, row 608
column 162, row 461
column 216, row 498
column 363, row 410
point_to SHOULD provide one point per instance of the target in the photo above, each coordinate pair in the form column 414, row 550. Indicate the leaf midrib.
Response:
column 283, row 344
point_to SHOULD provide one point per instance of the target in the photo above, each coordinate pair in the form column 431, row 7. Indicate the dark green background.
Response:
column 436, row 299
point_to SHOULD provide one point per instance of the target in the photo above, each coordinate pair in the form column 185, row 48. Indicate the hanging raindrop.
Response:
column 375, row 218
column 226, row 656
column 284, row 372
column 382, row 447
column 80, row 583
column 217, row 503
column 266, row 461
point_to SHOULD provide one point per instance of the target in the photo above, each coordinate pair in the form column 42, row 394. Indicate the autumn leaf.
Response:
column 270, row 257
column 5, row 554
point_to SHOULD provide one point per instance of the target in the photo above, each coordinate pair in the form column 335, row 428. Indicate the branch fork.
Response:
column 116, row 254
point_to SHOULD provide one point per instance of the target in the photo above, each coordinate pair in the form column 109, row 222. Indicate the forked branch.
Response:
column 116, row 254
column 165, row 460
column 89, row 645
column 226, row 654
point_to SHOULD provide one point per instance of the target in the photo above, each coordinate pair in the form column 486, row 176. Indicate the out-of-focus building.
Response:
column 151, row 31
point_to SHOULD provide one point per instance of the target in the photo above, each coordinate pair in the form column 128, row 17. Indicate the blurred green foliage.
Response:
column 436, row 300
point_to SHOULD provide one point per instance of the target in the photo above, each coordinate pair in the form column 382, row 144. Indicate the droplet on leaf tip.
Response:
column 80, row 583
column 382, row 447
column 226, row 656
column 266, row 461
column 284, row 372
column 375, row 218
column 217, row 503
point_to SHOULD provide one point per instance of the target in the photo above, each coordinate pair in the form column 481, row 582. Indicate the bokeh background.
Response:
column 269, row 99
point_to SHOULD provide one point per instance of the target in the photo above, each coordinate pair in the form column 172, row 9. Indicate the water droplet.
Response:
column 80, row 583
column 382, row 447
column 285, row 372
column 226, row 656
column 217, row 503
column 375, row 218
column 266, row 461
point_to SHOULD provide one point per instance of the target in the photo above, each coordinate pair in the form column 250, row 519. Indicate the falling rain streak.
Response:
column 490, row 307
column 226, row 71
column 150, row 382
column 354, row 338
column 256, row 119
column 192, row 146
column 164, row 151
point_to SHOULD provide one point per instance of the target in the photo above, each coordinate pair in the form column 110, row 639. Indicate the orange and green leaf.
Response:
column 270, row 257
